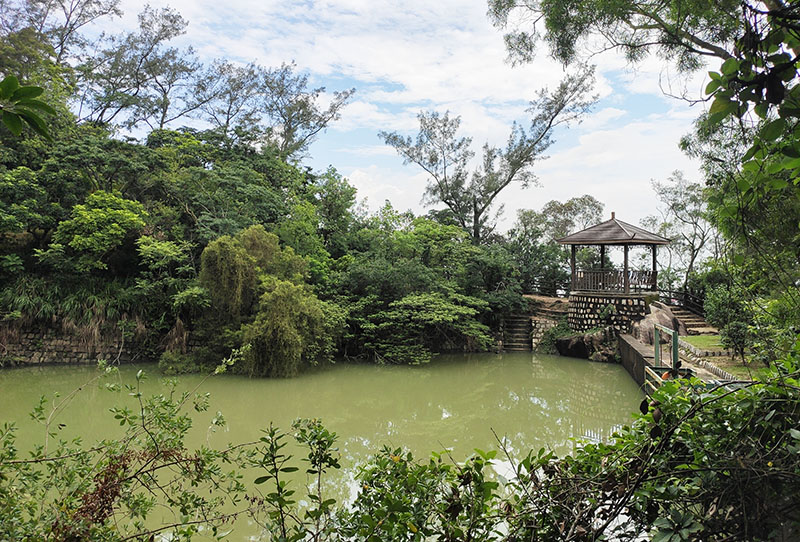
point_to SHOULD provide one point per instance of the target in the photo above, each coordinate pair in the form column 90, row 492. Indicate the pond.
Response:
column 458, row 402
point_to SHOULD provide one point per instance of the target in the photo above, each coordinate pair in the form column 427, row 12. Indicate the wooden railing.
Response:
column 686, row 300
column 604, row 280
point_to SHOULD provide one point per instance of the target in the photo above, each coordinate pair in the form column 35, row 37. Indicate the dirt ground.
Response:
column 559, row 304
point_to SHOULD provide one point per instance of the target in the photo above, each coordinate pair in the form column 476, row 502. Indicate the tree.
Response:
column 683, row 31
column 445, row 157
column 60, row 21
column 684, row 222
column 232, row 98
column 293, row 111
column 95, row 229
column 116, row 82
column 335, row 198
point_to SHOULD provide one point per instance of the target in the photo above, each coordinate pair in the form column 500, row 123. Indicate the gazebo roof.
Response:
column 613, row 232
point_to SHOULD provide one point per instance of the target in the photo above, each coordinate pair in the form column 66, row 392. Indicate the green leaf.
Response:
column 795, row 434
column 261, row 480
column 773, row 129
column 730, row 66
column 37, row 104
column 35, row 122
column 713, row 85
column 743, row 184
column 12, row 122
column 26, row 93
column 750, row 153
column 778, row 184
column 720, row 108
column 8, row 86
column 752, row 166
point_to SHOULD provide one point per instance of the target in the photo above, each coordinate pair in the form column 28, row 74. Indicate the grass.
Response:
column 706, row 342
column 737, row 368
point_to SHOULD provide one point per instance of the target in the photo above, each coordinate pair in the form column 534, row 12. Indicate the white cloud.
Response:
column 378, row 184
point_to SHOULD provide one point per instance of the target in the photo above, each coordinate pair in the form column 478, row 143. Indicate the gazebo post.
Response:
column 602, row 256
column 655, row 276
column 626, row 277
column 572, row 267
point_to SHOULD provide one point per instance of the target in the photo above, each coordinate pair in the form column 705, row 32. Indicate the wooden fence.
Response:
column 605, row 280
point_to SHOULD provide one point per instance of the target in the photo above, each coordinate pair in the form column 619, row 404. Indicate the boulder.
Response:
column 658, row 313
column 598, row 346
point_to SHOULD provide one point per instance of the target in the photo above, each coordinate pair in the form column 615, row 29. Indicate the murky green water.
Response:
column 454, row 402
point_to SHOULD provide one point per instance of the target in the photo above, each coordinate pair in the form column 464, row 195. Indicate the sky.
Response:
column 406, row 57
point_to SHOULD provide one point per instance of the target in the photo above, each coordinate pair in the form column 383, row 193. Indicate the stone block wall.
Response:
column 586, row 310
column 539, row 325
column 47, row 346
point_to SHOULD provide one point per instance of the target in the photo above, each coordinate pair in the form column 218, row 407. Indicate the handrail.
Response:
column 603, row 280
column 686, row 300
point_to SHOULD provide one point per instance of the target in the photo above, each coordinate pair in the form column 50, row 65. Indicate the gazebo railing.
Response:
column 605, row 280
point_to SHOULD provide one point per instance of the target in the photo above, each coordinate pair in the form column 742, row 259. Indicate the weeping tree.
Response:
column 260, row 298
column 446, row 157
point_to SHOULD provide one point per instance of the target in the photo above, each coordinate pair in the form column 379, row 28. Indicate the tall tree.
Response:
column 60, row 21
column 294, row 112
column 119, row 80
column 684, row 31
column 232, row 97
column 446, row 157
column 684, row 215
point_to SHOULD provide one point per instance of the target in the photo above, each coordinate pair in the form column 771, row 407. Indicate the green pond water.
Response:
column 455, row 402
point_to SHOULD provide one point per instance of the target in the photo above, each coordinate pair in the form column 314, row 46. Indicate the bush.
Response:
column 290, row 327
column 176, row 363
column 547, row 345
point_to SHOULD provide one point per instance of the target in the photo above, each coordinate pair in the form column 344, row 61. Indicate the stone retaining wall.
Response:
column 46, row 346
column 586, row 310
column 539, row 325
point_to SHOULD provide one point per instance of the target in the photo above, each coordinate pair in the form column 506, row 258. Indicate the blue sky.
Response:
column 419, row 55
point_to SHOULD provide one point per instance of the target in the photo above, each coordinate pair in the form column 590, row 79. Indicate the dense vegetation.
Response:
column 192, row 243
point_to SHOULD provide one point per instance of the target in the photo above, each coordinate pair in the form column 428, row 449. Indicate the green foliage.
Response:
column 290, row 327
column 726, row 308
column 229, row 274
column 418, row 324
column 547, row 344
column 543, row 264
column 173, row 362
column 23, row 201
column 684, row 31
column 18, row 104
column 95, row 229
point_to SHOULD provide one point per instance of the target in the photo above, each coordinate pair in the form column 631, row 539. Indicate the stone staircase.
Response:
column 517, row 333
column 695, row 324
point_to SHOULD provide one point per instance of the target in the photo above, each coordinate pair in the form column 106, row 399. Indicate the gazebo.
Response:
column 615, row 233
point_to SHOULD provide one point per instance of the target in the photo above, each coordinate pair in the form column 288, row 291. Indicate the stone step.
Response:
column 702, row 330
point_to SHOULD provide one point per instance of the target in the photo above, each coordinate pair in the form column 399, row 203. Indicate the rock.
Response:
column 658, row 314
column 573, row 346
column 598, row 346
